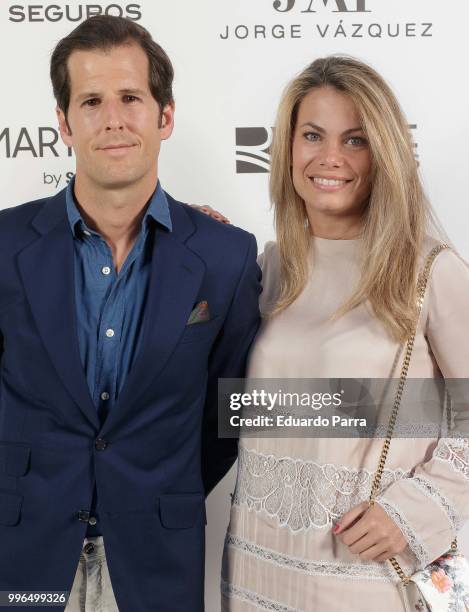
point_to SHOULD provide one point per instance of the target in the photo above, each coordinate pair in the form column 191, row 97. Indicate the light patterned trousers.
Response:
column 92, row 589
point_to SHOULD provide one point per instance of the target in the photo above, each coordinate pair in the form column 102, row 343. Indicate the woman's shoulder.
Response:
column 269, row 262
column 447, row 264
column 448, row 285
column 269, row 259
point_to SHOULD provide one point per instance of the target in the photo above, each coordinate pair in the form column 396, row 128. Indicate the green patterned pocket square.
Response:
column 200, row 314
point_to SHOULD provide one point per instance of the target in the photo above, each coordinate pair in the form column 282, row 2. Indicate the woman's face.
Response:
column 331, row 158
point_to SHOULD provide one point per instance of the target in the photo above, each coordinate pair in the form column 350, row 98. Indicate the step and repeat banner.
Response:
column 232, row 60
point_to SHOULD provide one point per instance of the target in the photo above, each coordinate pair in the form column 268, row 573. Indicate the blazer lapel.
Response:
column 175, row 280
column 47, row 270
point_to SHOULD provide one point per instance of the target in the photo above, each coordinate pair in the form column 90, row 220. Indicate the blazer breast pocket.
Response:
column 200, row 332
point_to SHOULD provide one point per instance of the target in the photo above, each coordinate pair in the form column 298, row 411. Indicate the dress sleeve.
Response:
column 431, row 506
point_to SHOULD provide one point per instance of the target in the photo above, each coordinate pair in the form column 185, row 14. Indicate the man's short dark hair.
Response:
column 104, row 32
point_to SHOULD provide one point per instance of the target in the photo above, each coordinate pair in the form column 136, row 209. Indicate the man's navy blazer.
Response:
column 157, row 454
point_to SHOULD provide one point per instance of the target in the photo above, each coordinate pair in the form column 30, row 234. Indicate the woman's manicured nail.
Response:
column 336, row 528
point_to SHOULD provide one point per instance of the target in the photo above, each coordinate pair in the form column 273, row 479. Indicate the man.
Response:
column 119, row 310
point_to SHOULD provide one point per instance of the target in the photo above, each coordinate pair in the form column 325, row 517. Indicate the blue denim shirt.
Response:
column 110, row 306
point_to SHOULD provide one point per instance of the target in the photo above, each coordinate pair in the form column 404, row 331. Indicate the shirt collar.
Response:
column 158, row 210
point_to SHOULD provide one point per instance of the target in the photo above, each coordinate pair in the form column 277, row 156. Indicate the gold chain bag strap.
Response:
column 418, row 591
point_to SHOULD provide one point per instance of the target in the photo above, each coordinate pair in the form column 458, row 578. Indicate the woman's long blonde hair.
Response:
column 397, row 212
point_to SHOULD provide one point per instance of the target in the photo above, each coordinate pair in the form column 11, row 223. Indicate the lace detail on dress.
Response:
column 427, row 487
column 367, row 570
column 455, row 452
column 413, row 541
column 302, row 494
column 255, row 599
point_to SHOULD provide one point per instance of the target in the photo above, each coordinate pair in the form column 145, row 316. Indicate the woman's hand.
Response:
column 208, row 210
column 369, row 532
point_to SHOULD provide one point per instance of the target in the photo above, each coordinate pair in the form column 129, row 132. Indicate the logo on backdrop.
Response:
column 253, row 149
column 253, row 145
column 341, row 6
column 353, row 19
column 19, row 13
column 42, row 142
column 37, row 142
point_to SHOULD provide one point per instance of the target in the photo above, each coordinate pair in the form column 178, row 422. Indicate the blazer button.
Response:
column 83, row 516
column 100, row 444
column 93, row 520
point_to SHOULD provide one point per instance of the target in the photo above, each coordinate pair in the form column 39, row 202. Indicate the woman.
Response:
column 353, row 229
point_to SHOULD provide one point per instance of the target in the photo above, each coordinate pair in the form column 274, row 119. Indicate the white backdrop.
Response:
column 232, row 60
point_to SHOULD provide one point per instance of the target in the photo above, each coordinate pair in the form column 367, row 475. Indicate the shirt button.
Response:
column 104, row 395
column 109, row 333
column 106, row 270
column 93, row 521
column 87, row 233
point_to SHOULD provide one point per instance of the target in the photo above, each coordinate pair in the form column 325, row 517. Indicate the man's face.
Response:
column 114, row 122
